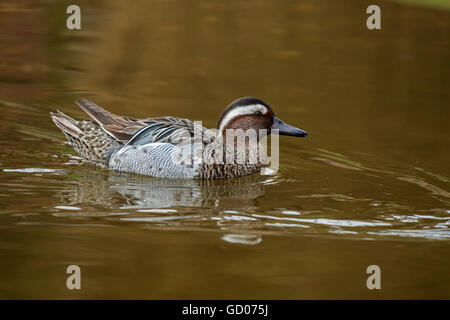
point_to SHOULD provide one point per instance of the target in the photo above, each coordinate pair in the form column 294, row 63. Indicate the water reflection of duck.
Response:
column 130, row 191
column 147, row 146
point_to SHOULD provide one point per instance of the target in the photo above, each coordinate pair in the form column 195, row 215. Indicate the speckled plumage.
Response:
column 86, row 137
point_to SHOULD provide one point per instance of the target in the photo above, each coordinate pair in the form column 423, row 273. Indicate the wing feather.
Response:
column 120, row 128
column 132, row 131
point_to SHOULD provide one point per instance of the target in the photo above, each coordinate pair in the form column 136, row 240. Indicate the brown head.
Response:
column 253, row 113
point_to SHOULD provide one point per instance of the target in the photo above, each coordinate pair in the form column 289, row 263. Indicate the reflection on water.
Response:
column 142, row 192
column 370, row 185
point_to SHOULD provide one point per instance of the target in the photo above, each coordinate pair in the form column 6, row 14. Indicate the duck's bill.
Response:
column 285, row 129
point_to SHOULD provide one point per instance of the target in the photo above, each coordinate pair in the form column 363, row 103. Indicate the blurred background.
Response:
column 370, row 184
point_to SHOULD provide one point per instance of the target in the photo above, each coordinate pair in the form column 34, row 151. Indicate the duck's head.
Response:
column 253, row 113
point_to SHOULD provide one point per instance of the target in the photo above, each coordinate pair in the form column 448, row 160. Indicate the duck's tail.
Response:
column 86, row 137
column 68, row 125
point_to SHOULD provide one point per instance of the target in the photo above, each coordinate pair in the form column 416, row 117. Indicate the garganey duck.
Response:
column 171, row 147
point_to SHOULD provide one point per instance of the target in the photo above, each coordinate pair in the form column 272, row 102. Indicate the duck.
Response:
column 173, row 147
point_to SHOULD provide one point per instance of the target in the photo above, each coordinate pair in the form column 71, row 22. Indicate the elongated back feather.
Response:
column 120, row 128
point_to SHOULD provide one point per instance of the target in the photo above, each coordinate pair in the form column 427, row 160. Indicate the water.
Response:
column 370, row 184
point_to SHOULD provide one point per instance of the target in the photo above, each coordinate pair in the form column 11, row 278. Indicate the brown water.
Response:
column 370, row 185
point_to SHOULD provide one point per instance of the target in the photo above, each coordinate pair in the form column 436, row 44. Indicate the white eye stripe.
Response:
column 239, row 111
column 251, row 109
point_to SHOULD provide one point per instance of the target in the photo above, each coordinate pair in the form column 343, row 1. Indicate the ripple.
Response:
column 342, row 231
column 70, row 208
column 433, row 234
column 238, row 218
column 329, row 222
column 291, row 212
column 157, row 210
column 35, row 170
column 158, row 219
column 426, row 185
column 242, row 239
column 288, row 225
column 334, row 196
